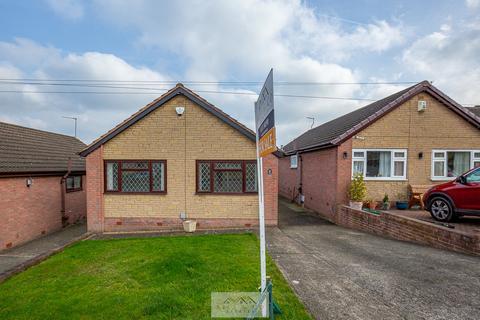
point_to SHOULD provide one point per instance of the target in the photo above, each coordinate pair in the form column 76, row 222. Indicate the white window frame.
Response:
column 473, row 159
column 294, row 161
column 392, row 164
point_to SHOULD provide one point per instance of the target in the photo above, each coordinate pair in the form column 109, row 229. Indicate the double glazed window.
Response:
column 448, row 164
column 73, row 183
column 380, row 164
column 129, row 176
column 227, row 176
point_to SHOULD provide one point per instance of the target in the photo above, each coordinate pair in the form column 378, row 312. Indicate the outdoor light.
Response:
column 420, row 155
column 29, row 182
column 179, row 111
column 345, row 155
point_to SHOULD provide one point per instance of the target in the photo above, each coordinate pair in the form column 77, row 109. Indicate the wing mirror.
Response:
column 462, row 180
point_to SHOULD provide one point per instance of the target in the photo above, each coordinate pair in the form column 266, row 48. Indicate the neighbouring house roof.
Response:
column 179, row 89
column 25, row 150
column 336, row 131
column 475, row 110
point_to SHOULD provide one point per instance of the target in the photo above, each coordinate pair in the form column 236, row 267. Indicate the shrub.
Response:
column 358, row 190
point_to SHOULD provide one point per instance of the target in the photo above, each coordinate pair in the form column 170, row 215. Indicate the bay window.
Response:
column 448, row 164
column 230, row 176
column 135, row 176
column 380, row 164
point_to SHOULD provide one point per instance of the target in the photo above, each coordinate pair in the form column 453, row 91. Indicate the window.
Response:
column 473, row 177
column 448, row 164
column 380, row 164
column 238, row 176
column 73, row 183
column 132, row 176
column 294, row 161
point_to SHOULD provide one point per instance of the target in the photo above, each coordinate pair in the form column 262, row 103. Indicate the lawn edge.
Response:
column 41, row 257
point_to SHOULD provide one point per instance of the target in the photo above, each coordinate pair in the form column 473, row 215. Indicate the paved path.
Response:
column 344, row 274
column 11, row 258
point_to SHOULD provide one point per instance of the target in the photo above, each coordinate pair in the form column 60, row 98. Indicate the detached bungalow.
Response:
column 42, row 181
column 177, row 158
column 417, row 136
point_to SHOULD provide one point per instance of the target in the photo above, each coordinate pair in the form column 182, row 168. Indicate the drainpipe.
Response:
column 300, row 185
column 63, row 191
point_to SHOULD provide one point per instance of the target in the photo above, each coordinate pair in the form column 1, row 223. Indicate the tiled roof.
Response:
column 26, row 150
column 179, row 89
column 475, row 110
column 336, row 131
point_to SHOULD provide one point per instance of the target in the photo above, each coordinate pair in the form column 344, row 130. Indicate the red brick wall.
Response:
column 28, row 212
column 344, row 171
column 95, row 213
column 407, row 229
column 319, row 179
column 270, row 182
column 76, row 203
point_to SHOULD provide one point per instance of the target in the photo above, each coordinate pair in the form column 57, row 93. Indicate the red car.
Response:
column 455, row 198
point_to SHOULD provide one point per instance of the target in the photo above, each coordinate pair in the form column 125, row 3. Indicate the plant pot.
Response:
column 357, row 205
column 372, row 205
column 386, row 206
column 401, row 205
column 189, row 225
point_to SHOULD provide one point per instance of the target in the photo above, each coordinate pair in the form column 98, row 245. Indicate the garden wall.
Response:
column 407, row 229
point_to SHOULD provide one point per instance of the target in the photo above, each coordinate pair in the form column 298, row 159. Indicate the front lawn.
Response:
column 160, row 278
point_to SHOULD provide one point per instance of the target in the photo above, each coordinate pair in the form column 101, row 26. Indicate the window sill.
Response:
column 384, row 179
column 226, row 194
column 73, row 190
column 446, row 179
column 136, row 193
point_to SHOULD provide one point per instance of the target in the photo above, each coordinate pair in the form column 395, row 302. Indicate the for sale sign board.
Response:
column 265, row 118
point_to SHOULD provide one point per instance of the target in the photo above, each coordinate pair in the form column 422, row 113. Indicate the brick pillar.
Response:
column 95, row 214
column 270, row 184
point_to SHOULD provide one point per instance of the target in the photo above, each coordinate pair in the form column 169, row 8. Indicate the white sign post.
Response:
column 265, row 137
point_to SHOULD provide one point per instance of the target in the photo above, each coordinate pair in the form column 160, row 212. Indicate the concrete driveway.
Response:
column 344, row 274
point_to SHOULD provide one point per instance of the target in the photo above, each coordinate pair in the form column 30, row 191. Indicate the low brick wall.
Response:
column 407, row 229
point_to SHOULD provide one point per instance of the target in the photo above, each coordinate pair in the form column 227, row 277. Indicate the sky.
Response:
column 224, row 43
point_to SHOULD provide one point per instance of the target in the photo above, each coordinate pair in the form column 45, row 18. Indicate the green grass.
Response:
column 160, row 278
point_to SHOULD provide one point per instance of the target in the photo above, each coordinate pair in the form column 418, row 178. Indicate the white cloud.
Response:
column 97, row 113
column 472, row 4
column 450, row 58
column 67, row 9
column 216, row 40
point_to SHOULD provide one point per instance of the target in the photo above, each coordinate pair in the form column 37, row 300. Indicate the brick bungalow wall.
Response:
column 324, row 182
column 30, row 212
column 436, row 128
column 197, row 135
column 407, row 229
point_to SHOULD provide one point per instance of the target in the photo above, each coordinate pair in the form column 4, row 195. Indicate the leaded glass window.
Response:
column 132, row 176
column 239, row 176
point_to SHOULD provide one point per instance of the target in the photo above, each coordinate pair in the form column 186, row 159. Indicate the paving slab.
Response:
column 341, row 273
column 13, row 258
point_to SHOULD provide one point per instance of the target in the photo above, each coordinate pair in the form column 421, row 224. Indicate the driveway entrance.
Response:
column 344, row 274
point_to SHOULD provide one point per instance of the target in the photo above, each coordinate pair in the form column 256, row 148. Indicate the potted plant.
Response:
column 385, row 202
column 401, row 204
column 357, row 192
column 189, row 225
column 372, row 204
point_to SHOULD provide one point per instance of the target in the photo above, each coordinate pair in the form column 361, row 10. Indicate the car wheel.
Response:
column 441, row 209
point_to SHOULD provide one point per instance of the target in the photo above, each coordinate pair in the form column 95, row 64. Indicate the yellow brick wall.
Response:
column 436, row 128
column 197, row 135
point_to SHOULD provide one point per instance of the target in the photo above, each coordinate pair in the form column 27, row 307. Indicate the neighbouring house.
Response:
column 475, row 110
column 417, row 136
column 42, row 181
column 177, row 158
